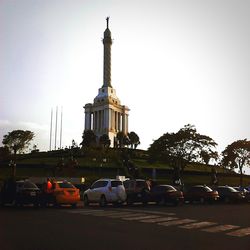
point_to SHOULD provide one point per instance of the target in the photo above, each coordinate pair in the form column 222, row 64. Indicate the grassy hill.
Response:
column 97, row 164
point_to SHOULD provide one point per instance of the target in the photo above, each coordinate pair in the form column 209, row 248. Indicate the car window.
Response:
column 208, row 189
column 230, row 189
column 65, row 185
column 99, row 184
column 158, row 189
column 19, row 184
column 194, row 189
column 126, row 184
column 170, row 188
column 116, row 183
column 140, row 184
column 28, row 184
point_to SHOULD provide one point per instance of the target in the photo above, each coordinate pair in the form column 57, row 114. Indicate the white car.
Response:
column 105, row 191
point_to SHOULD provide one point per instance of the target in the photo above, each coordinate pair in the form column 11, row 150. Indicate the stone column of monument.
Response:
column 107, row 42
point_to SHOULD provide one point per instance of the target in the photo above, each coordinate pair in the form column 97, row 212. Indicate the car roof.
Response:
column 164, row 185
column 108, row 179
column 134, row 180
column 199, row 186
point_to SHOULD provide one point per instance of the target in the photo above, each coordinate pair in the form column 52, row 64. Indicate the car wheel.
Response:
column 73, row 205
column 202, row 200
column 36, row 205
column 129, row 201
column 161, row 201
column 55, row 203
column 176, row 203
column 102, row 201
column 15, row 203
column 85, row 201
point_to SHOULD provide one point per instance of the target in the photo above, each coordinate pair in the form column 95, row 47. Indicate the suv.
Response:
column 105, row 191
column 138, row 190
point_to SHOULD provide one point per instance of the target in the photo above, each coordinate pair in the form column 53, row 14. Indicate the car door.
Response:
column 96, row 190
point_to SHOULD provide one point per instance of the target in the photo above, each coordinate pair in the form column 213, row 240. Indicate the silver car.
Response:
column 105, row 191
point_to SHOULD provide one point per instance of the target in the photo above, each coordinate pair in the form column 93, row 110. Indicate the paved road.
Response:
column 153, row 227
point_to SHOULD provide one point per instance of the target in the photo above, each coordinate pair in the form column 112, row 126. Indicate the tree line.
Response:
column 176, row 149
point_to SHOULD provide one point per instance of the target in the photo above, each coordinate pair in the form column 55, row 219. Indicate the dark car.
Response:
column 201, row 193
column 137, row 190
column 229, row 194
column 244, row 192
column 162, row 194
column 20, row 192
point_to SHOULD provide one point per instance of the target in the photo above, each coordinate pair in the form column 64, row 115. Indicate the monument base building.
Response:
column 106, row 115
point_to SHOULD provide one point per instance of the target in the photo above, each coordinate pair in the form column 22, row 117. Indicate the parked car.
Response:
column 137, row 190
column 229, row 194
column 201, row 193
column 105, row 191
column 65, row 193
column 162, row 194
column 244, row 192
column 20, row 192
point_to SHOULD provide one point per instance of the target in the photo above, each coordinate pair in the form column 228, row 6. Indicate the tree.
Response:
column 4, row 154
column 185, row 146
column 120, row 139
column 237, row 155
column 105, row 141
column 134, row 139
column 88, row 138
column 18, row 140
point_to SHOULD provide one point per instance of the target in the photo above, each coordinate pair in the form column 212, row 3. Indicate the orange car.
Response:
column 65, row 193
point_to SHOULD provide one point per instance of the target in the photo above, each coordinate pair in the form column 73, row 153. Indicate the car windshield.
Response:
column 231, row 189
column 65, row 185
column 170, row 188
column 116, row 183
column 208, row 189
column 140, row 184
column 28, row 184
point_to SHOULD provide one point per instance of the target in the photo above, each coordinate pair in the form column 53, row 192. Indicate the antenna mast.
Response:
column 56, row 126
column 50, row 138
column 61, row 128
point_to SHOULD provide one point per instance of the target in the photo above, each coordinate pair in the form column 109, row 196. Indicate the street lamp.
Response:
column 12, row 165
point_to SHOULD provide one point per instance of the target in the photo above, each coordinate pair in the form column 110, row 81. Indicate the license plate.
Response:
column 32, row 193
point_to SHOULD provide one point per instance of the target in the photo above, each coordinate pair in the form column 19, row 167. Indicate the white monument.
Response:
column 106, row 115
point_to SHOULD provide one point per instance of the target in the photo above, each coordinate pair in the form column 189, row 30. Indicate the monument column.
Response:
column 107, row 42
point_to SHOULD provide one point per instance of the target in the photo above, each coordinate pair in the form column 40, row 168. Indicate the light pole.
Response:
column 12, row 165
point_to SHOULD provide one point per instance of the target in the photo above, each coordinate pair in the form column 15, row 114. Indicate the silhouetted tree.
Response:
column 134, row 139
column 4, row 154
column 237, row 155
column 88, row 138
column 105, row 141
column 185, row 146
column 18, row 140
column 120, row 139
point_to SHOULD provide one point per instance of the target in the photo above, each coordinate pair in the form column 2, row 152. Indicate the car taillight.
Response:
column 110, row 189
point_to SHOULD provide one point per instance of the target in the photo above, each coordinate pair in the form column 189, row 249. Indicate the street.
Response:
column 135, row 227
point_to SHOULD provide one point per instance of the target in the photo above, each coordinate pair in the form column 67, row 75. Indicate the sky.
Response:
column 173, row 63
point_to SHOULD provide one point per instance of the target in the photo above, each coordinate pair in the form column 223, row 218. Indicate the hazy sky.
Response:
column 173, row 63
